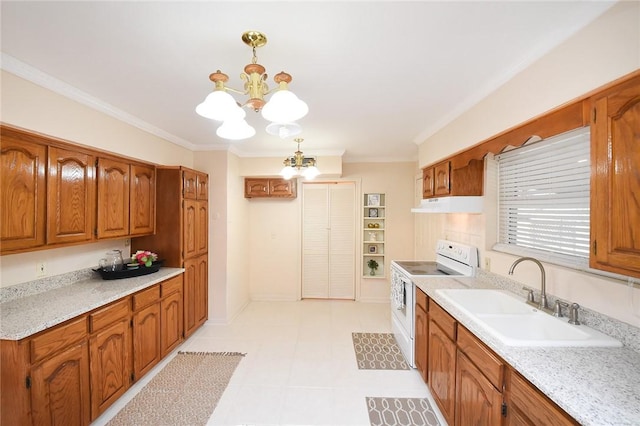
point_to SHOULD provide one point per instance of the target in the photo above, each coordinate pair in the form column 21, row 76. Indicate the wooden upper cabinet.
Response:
column 202, row 180
column 70, row 196
column 113, row 198
column 445, row 179
column 256, row 188
column 615, row 182
column 190, row 230
column 270, row 188
column 142, row 205
column 202, row 227
column 282, row 188
column 190, row 184
column 22, row 193
column 441, row 178
column 427, row 182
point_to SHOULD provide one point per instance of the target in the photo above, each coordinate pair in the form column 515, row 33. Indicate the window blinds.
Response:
column 543, row 198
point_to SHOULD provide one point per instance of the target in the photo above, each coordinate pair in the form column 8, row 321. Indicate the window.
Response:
column 543, row 199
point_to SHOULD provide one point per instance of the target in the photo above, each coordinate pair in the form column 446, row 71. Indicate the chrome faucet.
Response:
column 543, row 305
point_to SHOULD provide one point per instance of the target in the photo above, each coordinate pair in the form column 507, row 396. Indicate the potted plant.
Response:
column 373, row 265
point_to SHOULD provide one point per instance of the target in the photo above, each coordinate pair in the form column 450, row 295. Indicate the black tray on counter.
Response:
column 130, row 273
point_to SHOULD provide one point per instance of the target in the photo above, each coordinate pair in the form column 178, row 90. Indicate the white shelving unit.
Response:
column 373, row 234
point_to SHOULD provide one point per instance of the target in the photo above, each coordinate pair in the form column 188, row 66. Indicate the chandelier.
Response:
column 282, row 109
column 298, row 164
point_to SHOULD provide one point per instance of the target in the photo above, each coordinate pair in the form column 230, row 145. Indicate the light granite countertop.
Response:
column 596, row 386
column 22, row 315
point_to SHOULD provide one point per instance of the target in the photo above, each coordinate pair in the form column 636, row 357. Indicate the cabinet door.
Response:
column 282, row 188
column 60, row 388
column 201, row 302
column 171, row 322
column 442, row 371
column 189, row 184
column 428, row 183
column 110, row 365
column 22, row 194
column 441, row 185
column 190, row 279
column 202, row 227
column 113, row 198
column 146, row 340
column 202, row 182
column 421, row 341
column 477, row 401
column 142, row 213
column 256, row 188
column 527, row 406
column 615, row 182
column 190, row 228
column 70, row 196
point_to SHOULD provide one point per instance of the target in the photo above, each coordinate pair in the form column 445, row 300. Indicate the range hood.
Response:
column 459, row 204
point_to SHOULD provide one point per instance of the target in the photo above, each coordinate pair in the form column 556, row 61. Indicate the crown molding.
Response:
column 34, row 75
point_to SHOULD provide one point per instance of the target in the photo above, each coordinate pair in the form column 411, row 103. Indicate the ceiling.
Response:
column 379, row 77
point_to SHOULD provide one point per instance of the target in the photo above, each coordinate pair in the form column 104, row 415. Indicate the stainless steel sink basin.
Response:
column 515, row 323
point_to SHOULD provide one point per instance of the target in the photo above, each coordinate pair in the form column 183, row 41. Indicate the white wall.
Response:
column 238, row 241
column 603, row 51
column 33, row 107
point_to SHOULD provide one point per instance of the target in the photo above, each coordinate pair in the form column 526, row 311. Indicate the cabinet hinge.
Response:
column 133, row 378
column 131, row 323
column 595, row 246
column 594, row 114
column 27, row 382
column 503, row 409
column 96, row 162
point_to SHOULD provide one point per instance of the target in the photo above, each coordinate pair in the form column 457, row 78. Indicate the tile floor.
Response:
column 300, row 367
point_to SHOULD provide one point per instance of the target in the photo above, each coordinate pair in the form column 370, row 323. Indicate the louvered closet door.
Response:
column 328, row 241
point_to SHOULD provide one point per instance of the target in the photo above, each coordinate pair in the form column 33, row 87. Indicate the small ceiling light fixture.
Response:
column 298, row 164
column 282, row 109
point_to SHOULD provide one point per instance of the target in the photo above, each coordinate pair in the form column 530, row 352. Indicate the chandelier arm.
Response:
column 231, row 89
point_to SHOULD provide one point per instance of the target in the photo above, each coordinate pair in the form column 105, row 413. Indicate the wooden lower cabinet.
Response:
column 195, row 293
column 470, row 383
column 60, row 388
column 171, row 315
column 422, row 334
column 110, row 367
column 526, row 405
column 146, row 340
column 442, row 370
column 71, row 373
column 477, row 401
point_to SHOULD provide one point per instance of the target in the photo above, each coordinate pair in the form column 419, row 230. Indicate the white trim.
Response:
column 34, row 75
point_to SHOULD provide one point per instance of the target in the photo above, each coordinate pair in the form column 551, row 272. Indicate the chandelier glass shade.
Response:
column 283, row 108
column 299, row 165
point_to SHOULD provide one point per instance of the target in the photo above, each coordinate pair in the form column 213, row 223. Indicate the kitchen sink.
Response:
column 515, row 323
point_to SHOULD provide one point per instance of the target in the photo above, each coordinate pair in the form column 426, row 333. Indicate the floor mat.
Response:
column 184, row 392
column 378, row 351
column 401, row 412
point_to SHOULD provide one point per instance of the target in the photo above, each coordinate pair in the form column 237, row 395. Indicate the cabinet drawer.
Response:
column 57, row 338
column 443, row 319
column 421, row 299
column 532, row 404
column 105, row 316
column 171, row 285
column 490, row 365
column 146, row 297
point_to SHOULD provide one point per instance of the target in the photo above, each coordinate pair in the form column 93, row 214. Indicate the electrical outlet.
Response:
column 127, row 242
column 41, row 269
column 487, row 264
